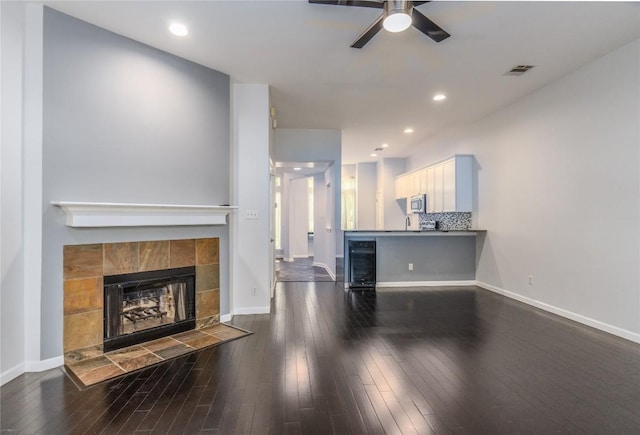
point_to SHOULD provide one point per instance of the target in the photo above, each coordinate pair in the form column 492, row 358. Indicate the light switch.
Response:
column 251, row 214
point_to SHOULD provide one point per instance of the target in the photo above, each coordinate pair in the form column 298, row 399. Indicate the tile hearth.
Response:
column 90, row 366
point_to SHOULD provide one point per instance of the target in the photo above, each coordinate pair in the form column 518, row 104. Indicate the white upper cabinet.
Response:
column 431, row 188
column 438, row 189
column 448, row 185
column 401, row 186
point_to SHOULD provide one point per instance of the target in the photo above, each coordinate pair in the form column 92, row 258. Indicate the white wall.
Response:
column 366, row 185
column 394, row 212
column 322, row 252
column 559, row 193
column 250, row 237
column 298, row 208
column 12, row 295
column 325, row 252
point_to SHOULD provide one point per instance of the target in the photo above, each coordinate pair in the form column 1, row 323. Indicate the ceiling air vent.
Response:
column 518, row 70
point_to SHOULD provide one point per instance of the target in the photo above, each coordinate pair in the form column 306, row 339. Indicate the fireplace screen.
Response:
column 144, row 306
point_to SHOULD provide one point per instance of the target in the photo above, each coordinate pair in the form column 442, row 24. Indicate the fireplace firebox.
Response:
column 144, row 306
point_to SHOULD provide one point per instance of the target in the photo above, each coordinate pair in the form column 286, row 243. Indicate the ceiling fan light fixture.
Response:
column 397, row 15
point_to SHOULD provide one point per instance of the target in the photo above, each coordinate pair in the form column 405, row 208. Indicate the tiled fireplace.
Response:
column 148, row 310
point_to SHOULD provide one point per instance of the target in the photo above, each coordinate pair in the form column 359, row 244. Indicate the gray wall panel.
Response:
column 433, row 258
column 124, row 122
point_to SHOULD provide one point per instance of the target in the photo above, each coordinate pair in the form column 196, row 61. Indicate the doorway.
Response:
column 300, row 210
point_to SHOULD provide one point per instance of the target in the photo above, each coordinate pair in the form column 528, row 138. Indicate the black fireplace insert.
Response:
column 144, row 306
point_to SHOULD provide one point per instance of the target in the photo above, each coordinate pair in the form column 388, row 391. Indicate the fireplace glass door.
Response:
column 144, row 306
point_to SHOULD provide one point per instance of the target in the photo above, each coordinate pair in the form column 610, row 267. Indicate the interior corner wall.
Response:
column 12, row 294
column 559, row 193
column 251, row 132
column 108, row 136
column 366, row 186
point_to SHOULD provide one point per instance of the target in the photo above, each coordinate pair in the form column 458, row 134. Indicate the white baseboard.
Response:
column 425, row 283
column 40, row 366
column 614, row 330
column 226, row 317
column 252, row 310
column 30, row 366
column 11, row 374
column 340, row 256
column 301, row 256
column 288, row 259
column 326, row 268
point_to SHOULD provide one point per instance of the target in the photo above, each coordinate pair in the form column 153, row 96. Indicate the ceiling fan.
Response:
column 397, row 15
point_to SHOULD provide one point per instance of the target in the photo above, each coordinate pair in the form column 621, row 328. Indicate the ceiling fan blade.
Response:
column 361, row 3
column 428, row 27
column 366, row 36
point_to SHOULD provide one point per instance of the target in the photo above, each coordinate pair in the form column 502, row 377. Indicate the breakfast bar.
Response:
column 420, row 258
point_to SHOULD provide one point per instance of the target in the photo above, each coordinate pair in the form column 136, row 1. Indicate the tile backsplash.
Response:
column 447, row 221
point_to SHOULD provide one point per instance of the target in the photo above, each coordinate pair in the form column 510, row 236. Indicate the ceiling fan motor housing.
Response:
column 397, row 15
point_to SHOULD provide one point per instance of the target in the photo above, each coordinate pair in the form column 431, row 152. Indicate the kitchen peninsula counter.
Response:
column 404, row 233
column 420, row 258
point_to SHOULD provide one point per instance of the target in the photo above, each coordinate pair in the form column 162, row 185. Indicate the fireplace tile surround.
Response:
column 85, row 266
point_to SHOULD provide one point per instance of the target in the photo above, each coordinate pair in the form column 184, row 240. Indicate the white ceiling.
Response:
column 317, row 81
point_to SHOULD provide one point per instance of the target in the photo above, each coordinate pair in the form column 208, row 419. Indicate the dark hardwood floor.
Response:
column 455, row 360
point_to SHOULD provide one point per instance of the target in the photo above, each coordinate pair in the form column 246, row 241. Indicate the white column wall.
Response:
column 366, row 185
column 394, row 211
column 250, row 237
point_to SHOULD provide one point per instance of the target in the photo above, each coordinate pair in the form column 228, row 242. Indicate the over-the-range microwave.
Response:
column 419, row 203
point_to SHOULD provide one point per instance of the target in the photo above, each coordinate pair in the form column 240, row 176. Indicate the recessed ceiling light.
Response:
column 439, row 97
column 374, row 155
column 297, row 169
column 385, row 145
column 178, row 29
column 408, row 130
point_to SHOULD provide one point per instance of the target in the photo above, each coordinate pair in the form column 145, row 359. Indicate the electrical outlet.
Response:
column 530, row 279
column 251, row 214
column 253, row 291
column 410, row 266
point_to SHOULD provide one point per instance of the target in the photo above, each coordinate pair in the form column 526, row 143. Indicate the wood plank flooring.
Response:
column 400, row 361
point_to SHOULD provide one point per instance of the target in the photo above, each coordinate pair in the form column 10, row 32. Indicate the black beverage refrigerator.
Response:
column 362, row 264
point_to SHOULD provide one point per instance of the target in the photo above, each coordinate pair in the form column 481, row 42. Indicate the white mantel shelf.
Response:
column 110, row 214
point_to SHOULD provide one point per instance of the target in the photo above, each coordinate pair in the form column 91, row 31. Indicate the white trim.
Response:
column 40, row 366
column 252, row 310
column 226, row 317
column 619, row 332
column 113, row 214
column 30, row 366
column 327, row 269
column 425, row 283
column 11, row 374
column 300, row 256
column 288, row 259
column 340, row 256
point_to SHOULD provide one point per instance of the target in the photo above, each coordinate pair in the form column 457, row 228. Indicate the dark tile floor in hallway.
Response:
column 301, row 269
column 398, row 361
